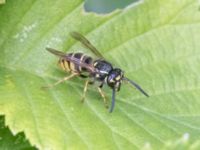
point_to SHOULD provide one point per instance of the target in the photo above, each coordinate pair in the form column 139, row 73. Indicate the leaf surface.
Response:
column 157, row 45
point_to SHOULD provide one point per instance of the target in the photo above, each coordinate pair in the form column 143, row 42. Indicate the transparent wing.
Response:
column 71, row 59
column 77, row 36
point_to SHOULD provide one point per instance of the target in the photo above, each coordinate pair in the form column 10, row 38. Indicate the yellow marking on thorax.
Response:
column 118, row 78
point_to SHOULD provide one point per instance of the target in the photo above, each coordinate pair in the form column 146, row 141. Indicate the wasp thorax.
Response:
column 115, row 78
column 103, row 68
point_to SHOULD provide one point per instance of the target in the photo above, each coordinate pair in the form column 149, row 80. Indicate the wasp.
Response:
column 95, row 70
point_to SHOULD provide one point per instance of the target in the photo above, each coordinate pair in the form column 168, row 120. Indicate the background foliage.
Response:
column 2, row 1
column 105, row 6
column 156, row 43
column 10, row 141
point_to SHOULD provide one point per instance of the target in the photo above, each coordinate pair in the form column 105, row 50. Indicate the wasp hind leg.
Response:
column 85, row 89
column 103, row 96
column 60, row 81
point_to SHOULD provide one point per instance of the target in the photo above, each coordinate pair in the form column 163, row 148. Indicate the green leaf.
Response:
column 12, row 142
column 2, row 1
column 157, row 45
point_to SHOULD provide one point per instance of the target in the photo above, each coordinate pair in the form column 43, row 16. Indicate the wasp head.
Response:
column 114, row 79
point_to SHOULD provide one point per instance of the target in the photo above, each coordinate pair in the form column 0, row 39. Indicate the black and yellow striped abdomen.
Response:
column 70, row 66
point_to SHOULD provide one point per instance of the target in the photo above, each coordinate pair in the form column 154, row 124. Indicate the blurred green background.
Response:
column 106, row 6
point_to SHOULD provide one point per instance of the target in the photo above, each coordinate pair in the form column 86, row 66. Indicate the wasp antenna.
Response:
column 113, row 101
column 136, row 86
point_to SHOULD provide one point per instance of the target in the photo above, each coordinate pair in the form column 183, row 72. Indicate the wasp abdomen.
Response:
column 70, row 66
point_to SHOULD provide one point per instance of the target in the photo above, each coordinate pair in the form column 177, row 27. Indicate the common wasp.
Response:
column 95, row 70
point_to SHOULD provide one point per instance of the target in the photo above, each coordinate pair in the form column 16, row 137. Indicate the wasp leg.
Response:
column 85, row 90
column 103, row 96
column 60, row 81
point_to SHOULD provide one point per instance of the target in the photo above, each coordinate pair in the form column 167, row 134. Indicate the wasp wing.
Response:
column 77, row 36
column 56, row 52
column 71, row 59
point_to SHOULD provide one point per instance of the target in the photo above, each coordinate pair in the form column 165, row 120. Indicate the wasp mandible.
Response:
column 100, row 70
